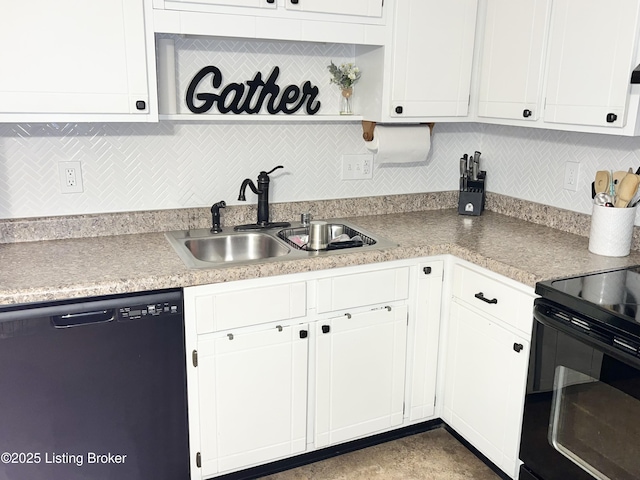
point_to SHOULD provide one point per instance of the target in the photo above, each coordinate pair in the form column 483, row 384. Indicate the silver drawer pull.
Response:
column 480, row 296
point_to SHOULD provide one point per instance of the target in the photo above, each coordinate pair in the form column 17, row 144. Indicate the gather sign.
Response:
column 250, row 96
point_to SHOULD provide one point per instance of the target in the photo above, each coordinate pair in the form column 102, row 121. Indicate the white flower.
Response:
column 345, row 76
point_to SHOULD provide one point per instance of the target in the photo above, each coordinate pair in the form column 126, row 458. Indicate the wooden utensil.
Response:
column 601, row 185
column 627, row 189
column 617, row 178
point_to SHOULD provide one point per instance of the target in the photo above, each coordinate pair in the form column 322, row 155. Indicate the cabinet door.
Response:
column 252, row 397
column 511, row 68
column 363, row 8
column 270, row 4
column 433, row 54
column 360, row 371
column 591, row 56
column 73, row 57
column 426, row 334
column 486, row 369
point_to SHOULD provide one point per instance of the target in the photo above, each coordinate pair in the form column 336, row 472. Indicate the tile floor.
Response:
column 432, row 455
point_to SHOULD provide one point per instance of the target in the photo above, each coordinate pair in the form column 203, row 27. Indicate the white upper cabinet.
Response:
column 432, row 58
column 559, row 64
column 511, row 64
column 591, row 56
column 228, row 3
column 364, row 8
column 74, row 60
column 297, row 20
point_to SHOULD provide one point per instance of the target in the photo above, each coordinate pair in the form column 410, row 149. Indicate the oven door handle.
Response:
column 585, row 332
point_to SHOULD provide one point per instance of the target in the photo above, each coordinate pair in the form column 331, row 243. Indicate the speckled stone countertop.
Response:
column 78, row 267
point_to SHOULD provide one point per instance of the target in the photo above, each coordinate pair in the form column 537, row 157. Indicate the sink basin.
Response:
column 200, row 248
column 236, row 248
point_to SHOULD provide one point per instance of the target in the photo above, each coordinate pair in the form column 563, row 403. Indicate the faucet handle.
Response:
column 274, row 169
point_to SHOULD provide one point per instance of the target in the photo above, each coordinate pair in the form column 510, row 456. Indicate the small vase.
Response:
column 345, row 101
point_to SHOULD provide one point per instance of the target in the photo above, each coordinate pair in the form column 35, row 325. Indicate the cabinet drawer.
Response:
column 241, row 308
column 362, row 289
column 491, row 296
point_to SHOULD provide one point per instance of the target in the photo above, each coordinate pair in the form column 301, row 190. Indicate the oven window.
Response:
column 595, row 425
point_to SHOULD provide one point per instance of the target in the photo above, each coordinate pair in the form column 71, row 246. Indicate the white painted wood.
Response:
column 252, row 398
column 511, row 67
column 73, row 57
column 432, row 58
column 218, row 311
column 425, row 339
column 229, row 3
column 360, row 368
column 592, row 52
column 513, row 306
column 361, row 289
column 485, row 383
column 364, row 8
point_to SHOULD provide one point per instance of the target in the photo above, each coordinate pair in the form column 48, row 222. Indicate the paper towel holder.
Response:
column 368, row 127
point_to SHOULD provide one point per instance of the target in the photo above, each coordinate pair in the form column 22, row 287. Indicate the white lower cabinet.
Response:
column 485, row 378
column 285, row 365
column 360, row 365
column 486, row 355
column 252, row 396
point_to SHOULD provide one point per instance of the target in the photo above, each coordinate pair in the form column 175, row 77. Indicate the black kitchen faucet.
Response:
column 262, row 190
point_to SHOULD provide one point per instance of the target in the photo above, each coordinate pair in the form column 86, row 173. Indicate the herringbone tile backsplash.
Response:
column 173, row 164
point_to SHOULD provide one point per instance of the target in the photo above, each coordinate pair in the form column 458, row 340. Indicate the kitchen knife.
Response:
column 476, row 165
column 463, row 168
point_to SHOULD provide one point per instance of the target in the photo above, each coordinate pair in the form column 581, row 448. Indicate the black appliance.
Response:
column 94, row 389
column 582, row 406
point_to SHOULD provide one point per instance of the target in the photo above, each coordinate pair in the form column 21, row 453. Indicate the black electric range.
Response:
column 610, row 297
column 581, row 416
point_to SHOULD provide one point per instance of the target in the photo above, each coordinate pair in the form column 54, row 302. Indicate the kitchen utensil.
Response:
column 603, row 199
column 627, row 190
column 602, row 182
column 318, row 235
column 617, row 178
column 305, row 218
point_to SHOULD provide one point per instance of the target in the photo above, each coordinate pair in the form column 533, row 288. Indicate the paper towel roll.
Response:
column 400, row 144
column 167, row 101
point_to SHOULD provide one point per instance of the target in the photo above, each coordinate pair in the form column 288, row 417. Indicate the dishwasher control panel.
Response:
column 136, row 312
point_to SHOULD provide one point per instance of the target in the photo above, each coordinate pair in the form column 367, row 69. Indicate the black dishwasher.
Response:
column 94, row 389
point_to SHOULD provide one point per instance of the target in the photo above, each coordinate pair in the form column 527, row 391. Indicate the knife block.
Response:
column 471, row 200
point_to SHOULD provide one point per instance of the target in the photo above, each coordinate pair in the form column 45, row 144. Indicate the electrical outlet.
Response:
column 70, row 174
column 357, row 167
column 571, row 173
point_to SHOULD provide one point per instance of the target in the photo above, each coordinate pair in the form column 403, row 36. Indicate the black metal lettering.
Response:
column 237, row 98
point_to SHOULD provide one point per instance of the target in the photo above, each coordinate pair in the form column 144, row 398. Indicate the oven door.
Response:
column 582, row 407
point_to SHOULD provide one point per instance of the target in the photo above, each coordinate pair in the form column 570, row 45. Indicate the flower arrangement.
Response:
column 345, row 76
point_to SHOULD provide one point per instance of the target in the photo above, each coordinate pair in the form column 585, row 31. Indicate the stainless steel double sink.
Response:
column 202, row 249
